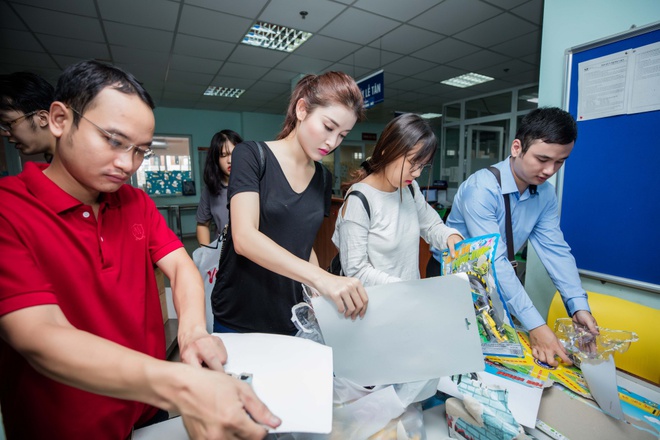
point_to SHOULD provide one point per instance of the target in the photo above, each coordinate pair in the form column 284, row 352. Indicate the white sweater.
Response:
column 385, row 248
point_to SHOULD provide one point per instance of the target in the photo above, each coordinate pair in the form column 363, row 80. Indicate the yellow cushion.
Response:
column 643, row 357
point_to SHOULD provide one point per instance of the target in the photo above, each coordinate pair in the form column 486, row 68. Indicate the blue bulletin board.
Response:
column 610, row 200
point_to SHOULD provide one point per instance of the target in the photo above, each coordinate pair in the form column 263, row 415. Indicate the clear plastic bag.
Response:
column 303, row 317
column 581, row 344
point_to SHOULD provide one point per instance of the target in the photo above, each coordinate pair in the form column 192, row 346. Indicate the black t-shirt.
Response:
column 247, row 297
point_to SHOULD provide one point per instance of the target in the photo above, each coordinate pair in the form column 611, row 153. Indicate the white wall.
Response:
column 566, row 24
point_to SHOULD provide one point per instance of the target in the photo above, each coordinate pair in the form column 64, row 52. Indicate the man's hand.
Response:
column 545, row 346
column 586, row 319
column 197, row 347
column 219, row 406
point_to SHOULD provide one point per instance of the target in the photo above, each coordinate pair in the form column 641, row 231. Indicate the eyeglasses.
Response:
column 6, row 126
column 414, row 167
column 116, row 143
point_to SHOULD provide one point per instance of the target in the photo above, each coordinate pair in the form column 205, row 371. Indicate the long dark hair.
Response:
column 322, row 91
column 401, row 135
column 212, row 173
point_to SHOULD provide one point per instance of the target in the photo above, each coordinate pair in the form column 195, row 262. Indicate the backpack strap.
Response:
column 507, row 226
column 362, row 197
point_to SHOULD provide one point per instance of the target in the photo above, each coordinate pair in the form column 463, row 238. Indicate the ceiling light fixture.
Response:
column 467, row 80
column 223, row 92
column 430, row 115
column 275, row 37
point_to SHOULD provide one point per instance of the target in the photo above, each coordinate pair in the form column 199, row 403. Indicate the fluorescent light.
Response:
column 275, row 37
column 534, row 100
column 223, row 92
column 467, row 80
column 430, row 115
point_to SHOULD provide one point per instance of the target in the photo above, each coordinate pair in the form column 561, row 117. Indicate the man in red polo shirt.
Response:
column 82, row 350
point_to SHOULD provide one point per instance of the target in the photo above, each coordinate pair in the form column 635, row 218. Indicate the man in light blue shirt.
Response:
column 543, row 142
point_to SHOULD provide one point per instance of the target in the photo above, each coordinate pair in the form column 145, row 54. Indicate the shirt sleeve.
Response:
column 353, row 237
column 479, row 207
column 204, row 208
column 162, row 240
column 22, row 281
column 555, row 254
column 245, row 169
column 431, row 227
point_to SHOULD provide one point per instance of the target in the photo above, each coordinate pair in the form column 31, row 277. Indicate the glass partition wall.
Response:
column 478, row 132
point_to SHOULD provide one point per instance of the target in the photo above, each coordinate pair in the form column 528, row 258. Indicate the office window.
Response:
column 163, row 174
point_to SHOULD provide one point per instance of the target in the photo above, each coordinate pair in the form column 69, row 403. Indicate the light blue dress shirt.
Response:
column 478, row 209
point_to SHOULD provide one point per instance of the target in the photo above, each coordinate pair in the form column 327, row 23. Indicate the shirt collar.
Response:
column 508, row 181
column 52, row 195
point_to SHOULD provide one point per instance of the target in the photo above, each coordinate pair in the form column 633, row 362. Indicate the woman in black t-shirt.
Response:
column 278, row 194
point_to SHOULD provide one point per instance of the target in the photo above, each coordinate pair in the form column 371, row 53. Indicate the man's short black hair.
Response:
column 25, row 92
column 80, row 83
column 551, row 125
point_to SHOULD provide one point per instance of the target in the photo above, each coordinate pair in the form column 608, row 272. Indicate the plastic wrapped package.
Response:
column 581, row 344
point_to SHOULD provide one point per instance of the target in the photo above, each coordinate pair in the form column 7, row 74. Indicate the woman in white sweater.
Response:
column 381, row 245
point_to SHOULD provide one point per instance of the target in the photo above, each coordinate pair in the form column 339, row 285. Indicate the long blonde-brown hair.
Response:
column 321, row 91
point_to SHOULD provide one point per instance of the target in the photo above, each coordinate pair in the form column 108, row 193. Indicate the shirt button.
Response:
column 86, row 214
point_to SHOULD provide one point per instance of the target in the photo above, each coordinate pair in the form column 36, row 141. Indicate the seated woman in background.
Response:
column 279, row 193
column 213, row 201
column 383, row 246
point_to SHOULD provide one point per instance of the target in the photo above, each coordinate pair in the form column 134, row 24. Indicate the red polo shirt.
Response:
column 101, row 274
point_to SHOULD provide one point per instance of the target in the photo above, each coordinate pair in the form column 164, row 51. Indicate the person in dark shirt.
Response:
column 278, row 194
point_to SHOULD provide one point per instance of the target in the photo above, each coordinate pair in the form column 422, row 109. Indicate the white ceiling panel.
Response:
column 520, row 46
column 138, row 56
column 496, row 30
column 256, row 56
column 75, row 48
column 408, row 66
column 179, row 47
column 194, row 64
column 446, row 50
column 401, row 10
column 531, row 11
column 243, row 70
column 126, row 35
column 287, row 13
column 453, row 16
column 479, row 60
column 280, row 76
column 371, row 58
column 203, row 79
column 297, row 63
column 247, row 9
column 406, row 39
column 61, row 24
column 9, row 20
column 326, row 48
column 19, row 40
column 358, row 26
column 233, row 82
column 202, row 47
column 28, row 59
column 78, row 7
column 157, row 14
column 211, row 24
